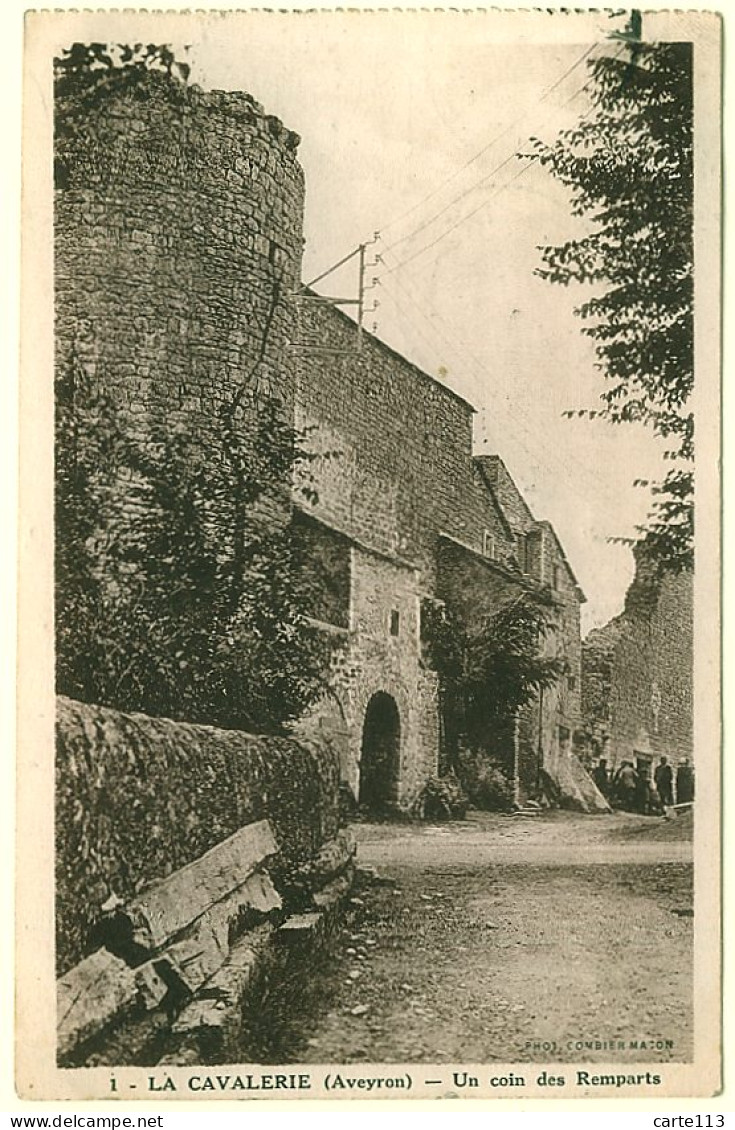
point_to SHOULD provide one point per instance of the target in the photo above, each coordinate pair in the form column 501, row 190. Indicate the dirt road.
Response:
column 561, row 938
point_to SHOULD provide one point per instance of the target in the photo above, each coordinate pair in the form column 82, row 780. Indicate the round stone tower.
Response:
column 178, row 237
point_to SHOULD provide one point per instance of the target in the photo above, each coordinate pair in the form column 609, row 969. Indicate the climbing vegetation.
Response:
column 489, row 670
column 180, row 585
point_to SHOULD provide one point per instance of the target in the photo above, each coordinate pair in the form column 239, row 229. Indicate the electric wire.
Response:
column 478, row 371
column 474, row 363
column 498, row 137
column 501, row 188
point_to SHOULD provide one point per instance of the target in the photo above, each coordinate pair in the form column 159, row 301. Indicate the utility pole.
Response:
column 361, row 296
column 300, row 296
column 632, row 34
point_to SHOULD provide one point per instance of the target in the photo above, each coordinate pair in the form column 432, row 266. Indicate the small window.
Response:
column 521, row 552
column 488, row 545
column 557, row 577
column 571, row 682
column 395, row 622
column 276, row 255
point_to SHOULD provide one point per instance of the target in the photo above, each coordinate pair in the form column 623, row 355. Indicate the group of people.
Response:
column 634, row 790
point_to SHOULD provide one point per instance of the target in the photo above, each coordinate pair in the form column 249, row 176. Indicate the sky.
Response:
column 411, row 124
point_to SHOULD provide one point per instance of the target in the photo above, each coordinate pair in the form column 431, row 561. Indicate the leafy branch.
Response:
column 629, row 167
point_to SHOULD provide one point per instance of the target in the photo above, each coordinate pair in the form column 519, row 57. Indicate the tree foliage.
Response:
column 505, row 665
column 490, row 670
column 178, row 591
column 85, row 66
column 629, row 166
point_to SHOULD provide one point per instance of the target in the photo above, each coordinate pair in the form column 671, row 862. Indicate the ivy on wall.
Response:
column 490, row 669
column 180, row 585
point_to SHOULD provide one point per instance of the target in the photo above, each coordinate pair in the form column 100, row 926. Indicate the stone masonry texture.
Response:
column 397, row 475
column 139, row 797
column 178, row 225
column 638, row 671
column 179, row 233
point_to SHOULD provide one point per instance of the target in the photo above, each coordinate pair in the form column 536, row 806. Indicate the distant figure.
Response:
column 684, row 782
column 601, row 777
column 626, row 782
column 652, row 803
column 643, row 792
column 664, row 779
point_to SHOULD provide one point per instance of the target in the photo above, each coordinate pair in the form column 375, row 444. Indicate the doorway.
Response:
column 380, row 753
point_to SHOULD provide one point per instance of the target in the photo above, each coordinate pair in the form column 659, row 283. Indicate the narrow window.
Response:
column 521, row 552
column 276, row 254
column 488, row 544
column 395, row 622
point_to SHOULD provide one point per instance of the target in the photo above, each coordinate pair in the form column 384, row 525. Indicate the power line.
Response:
column 448, row 231
column 487, row 176
column 503, row 133
column 479, row 372
column 456, row 200
column 475, row 363
column 506, row 161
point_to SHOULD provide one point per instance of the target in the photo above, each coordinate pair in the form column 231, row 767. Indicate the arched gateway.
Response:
column 380, row 753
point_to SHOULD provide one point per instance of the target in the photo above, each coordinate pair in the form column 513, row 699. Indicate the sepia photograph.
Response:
column 369, row 734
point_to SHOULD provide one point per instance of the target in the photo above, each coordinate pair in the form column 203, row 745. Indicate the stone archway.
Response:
column 380, row 753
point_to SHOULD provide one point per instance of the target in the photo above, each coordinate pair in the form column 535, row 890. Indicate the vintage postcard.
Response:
column 369, row 718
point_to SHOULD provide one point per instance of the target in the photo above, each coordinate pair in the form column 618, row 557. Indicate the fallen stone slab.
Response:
column 205, row 946
column 90, row 997
column 208, row 1027
column 300, row 926
column 200, row 954
column 258, row 894
column 158, row 914
column 150, row 985
column 331, row 860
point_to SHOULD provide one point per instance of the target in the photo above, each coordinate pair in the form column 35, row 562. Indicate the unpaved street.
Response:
column 558, row 938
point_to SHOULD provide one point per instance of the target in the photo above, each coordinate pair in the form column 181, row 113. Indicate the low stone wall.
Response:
column 138, row 798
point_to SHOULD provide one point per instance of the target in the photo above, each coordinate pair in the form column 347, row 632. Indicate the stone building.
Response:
column 406, row 512
column 178, row 232
column 637, row 672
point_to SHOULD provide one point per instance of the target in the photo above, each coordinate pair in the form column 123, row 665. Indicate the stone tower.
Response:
column 178, row 229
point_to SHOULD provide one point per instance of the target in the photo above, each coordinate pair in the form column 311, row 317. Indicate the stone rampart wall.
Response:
column 398, row 466
column 139, row 797
column 638, row 674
